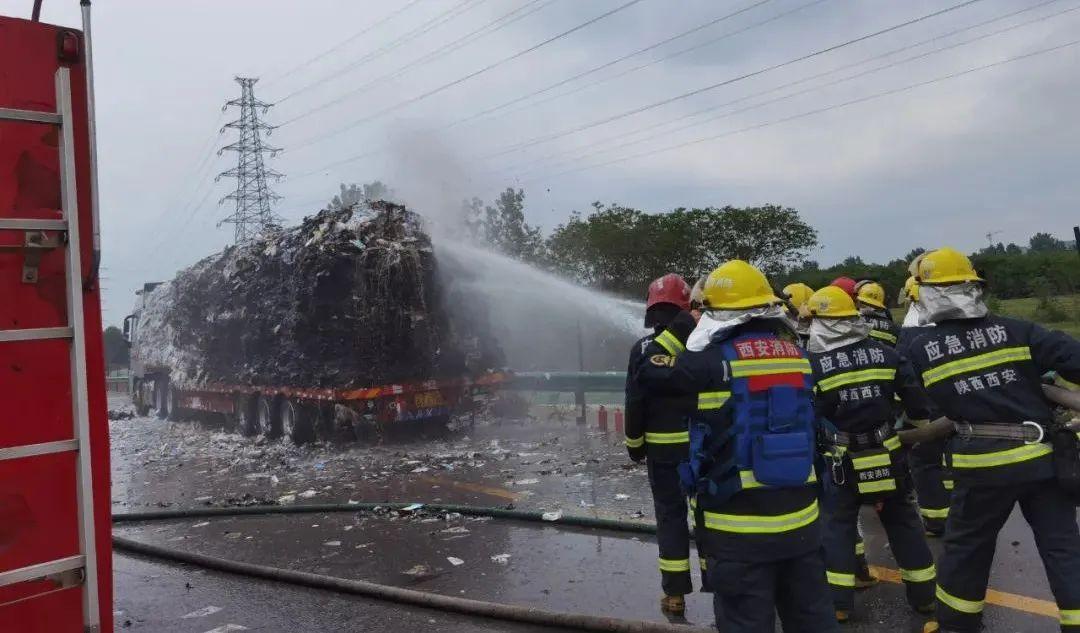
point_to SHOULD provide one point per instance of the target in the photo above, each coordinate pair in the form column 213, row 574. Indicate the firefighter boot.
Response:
column 863, row 577
column 933, row 627
column 673, row 605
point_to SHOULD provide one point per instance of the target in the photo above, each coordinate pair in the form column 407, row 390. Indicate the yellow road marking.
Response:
column 492, row 491
column 1005, row 599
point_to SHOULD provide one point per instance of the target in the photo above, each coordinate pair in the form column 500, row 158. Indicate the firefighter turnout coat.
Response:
column 655, row 417
column 988, row 371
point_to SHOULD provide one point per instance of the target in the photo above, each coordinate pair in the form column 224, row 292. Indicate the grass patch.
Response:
column 1064, row 312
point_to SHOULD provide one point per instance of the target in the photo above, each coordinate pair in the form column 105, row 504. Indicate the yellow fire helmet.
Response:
column 697, row 299
column 872, row 294
column 831, row 302
column 913, row 265
column 798, row 294
column 946, row 266
column 911, row 289
column 737, row 285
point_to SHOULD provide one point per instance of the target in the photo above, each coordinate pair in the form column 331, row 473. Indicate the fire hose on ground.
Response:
column 493, row 610
column 936, row 429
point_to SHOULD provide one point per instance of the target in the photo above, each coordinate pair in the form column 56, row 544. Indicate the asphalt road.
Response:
column 546, row 463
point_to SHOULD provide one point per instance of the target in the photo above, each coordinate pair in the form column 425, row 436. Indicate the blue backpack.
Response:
column 761, row 432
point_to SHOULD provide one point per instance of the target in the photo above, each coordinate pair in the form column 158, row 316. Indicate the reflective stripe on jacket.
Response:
column 757, row 523
column 988, row 370
column 655, row 420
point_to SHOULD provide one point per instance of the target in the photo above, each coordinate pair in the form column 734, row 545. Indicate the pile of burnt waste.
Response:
column 348, row 298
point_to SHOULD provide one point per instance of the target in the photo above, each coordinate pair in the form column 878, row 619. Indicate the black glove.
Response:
column 682, row 325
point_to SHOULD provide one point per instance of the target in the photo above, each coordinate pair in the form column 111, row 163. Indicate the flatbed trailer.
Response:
column 303, row 413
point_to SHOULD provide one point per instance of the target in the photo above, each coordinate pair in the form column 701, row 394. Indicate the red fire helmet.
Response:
column 847, row 284
column 670, row 288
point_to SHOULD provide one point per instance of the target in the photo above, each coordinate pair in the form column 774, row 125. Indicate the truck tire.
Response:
column 172, row 412
column 138, row 398
column 297, row 421
column 268, row 416
column 246, row 415
column 161, row 398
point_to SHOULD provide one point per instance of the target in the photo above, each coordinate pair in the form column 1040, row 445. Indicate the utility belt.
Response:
column 866, row 460
column 1027, row 432
column 1063, row 439
column 860, row 441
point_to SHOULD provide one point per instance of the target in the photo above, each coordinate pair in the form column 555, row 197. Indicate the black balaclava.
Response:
column 660, row 315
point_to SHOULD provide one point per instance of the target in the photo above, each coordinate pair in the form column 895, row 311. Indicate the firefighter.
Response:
column 656, row 432
column 983, row 371
column 856, row 378
column 696, row 297
column 751, row 454
column 932, row 482
column 795, row 297
column 870, row 299
column 847, row 284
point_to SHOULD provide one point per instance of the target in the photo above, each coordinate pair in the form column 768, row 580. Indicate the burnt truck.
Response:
column 337, row 325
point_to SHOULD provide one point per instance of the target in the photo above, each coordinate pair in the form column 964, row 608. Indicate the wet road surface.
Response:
column 548, row 463
column 179, row 599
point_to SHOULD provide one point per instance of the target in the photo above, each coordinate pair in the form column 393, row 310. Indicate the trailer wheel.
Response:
column 326, row 423
column 297, row 421
column 268, row 416
column 161, row 398
column 138, row 397
column 246, row 415
column 172, row 409
column 230, row 422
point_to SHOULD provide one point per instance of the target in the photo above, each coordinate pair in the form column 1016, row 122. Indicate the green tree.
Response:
column 117, row 354
column 1044, row 242
column 621, row 249
column 354, row 194
column 771, row 237
column 913, row 253
column 502, row 226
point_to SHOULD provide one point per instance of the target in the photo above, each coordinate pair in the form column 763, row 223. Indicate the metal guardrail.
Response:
column 569, row 381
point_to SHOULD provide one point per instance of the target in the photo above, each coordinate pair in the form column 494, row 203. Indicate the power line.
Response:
column 384, row 147
column 170, row 240
column 458, row 9
column 611, row 63
column 196, row 174
column 302, row 205
column 469, row 76
column 678, row 53
column 627, row 143
column 343, row 43
column 801, row 115
column 726, row 82
column 446, row 48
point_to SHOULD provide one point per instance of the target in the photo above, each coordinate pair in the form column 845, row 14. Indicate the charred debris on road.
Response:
column 350, row 297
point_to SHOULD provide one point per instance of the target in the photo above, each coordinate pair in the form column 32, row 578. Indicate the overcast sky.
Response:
column 945, row 163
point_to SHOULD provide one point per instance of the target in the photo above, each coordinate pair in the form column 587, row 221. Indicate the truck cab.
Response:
column 145, row 386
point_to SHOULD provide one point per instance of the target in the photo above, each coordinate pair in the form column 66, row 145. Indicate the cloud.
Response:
column 992, row 151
